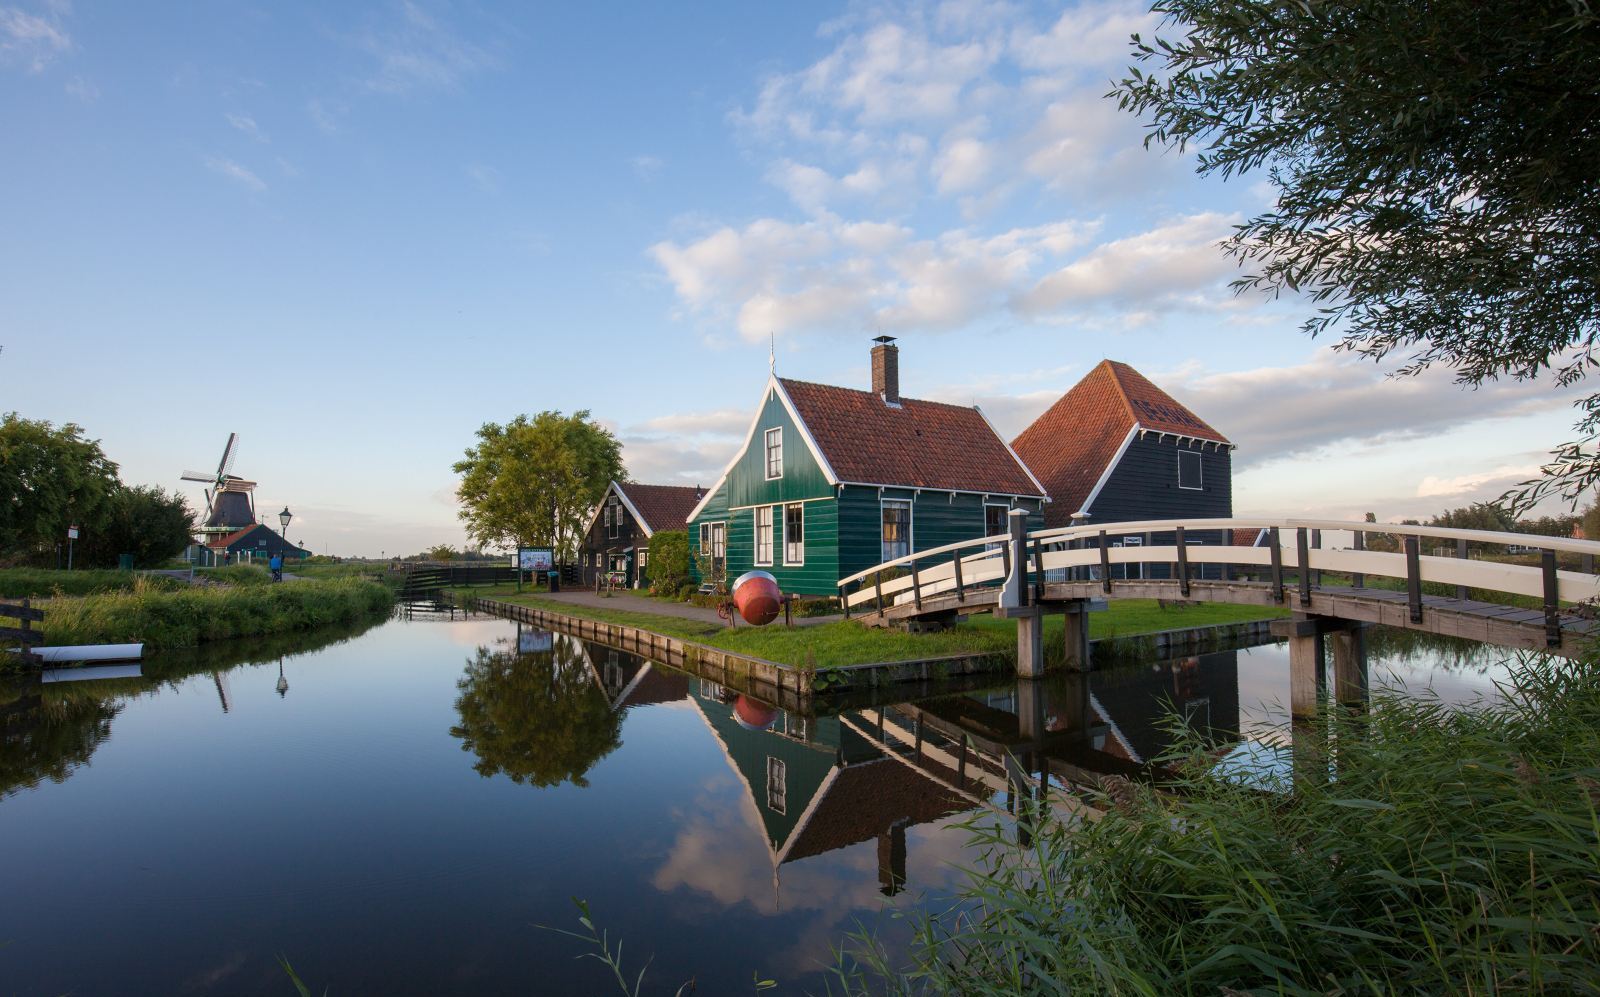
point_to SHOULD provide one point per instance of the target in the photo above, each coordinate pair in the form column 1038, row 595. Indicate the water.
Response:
column 398, row 810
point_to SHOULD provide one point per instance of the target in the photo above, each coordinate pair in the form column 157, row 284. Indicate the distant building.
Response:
column 627, row 516
column 831, row 481
column 256, row 542
column 1116, row 448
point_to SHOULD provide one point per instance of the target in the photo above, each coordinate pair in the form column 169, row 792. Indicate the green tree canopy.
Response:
column 50, row 478
column 533, row 482
column 1437, row 167
column 143, row 520
column 669, row 559
column 535, row 718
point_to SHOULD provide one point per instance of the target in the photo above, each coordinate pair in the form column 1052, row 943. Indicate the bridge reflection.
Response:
column 820, row 783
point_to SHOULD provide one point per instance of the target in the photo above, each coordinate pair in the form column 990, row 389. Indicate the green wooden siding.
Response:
column 937, row 518
column 820, row 573
column 802, row 477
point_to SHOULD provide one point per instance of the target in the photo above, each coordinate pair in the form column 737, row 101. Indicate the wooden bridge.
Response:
column 1072, row 570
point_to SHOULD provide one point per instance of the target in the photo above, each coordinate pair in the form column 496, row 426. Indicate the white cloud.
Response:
column 246, row 124
column 962, row 164
column 1153, row 269
column 83, row 89
column 485, row 178
column 647, row 167
column 1500, row 478
column 236, row 172
column 419, row 52
column 31, row 41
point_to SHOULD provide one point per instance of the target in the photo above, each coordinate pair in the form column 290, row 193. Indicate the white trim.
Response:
column 785, row 531
column 632, row 510
column 1199, row 470
column 773, row 385
column 755, row 537
column 766, row 453
column 1105, row 475
column 1036, row 482
column 814, row 498
column 1162, row 434
column 954, row 491
column 911, row 522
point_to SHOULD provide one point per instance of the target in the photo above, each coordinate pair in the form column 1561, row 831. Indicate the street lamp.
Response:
column 283, row 519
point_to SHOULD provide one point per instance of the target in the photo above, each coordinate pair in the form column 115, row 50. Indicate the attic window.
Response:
column 774, row 439
column 1189, row 470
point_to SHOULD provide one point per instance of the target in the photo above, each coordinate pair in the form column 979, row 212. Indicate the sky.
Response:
column 354, row 233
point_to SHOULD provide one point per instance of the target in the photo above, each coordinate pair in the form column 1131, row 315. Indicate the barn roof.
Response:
column 914, row 443
column 1072, row 445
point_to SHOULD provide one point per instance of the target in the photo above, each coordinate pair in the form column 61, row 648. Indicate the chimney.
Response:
column 886, row 370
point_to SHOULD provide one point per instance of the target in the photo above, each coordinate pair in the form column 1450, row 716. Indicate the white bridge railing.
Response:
column 1087, row 553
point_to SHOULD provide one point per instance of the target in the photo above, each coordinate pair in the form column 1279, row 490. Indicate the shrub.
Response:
column 669, row 559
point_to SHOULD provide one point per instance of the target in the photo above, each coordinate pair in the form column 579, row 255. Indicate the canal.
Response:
column 411, row 807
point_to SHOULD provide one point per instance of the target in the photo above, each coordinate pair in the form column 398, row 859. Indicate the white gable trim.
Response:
column 594, row 517
column 773, row 386
column 1025, row 470
column 648, row 532
column 1111, row 465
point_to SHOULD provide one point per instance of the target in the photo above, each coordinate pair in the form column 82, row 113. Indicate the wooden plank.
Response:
column 20, row 612
column 31, row 637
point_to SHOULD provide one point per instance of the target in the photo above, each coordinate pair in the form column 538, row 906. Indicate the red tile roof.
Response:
column 919, row 444
column 1072, row 443
column 664, row 507
column 1247, row 537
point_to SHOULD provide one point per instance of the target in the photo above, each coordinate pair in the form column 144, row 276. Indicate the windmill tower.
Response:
column 230, row 505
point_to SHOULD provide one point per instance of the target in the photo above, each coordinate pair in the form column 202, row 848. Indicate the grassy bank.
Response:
column 194, row 615
column 1455, row 852
column 847, row 643
column 41, row 583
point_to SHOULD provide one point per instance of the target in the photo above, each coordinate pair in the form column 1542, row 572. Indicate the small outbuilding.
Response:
column 617, row 540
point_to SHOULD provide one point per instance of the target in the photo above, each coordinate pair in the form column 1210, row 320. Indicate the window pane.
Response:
column 794, row 534
column 1188, row 469
column 774, row 453
column 764, row 535
column 896, row 529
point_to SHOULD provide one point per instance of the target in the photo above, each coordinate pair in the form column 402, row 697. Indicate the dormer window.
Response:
column 774, row 453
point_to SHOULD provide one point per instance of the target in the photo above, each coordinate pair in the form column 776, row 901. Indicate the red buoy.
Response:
column 758, row 598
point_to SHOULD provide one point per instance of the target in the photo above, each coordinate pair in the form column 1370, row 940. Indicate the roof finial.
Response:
column 772, row 352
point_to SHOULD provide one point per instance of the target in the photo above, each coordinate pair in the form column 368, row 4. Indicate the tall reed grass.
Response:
column 26, row 583
column 1420, row 850
column 194, row 615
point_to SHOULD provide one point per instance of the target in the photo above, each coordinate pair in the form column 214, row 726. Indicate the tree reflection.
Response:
column 42, row 740
column 535, row 718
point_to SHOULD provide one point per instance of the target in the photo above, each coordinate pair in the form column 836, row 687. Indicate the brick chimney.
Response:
column 886, row 370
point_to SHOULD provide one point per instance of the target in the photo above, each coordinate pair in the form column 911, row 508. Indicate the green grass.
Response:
column 195, row 615
column 1413, row 849
column 237, row 574
column 849, row 643
column 27, row 583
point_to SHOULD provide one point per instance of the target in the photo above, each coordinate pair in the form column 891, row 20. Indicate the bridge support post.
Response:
column 1077, row 633
column 1350, row 666
column 1304, row 635
column 1030, row 644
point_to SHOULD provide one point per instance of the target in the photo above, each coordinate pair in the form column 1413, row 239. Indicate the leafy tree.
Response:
column 533, row 482
column 441, row 552
column 1436, row 167
column 669, row 560
column 145, row 521
column 1548, row 526
column 50, row 479
column 535, row 718
column 1591, row 521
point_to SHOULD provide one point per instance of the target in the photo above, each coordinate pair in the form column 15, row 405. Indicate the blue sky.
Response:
column 353, row 233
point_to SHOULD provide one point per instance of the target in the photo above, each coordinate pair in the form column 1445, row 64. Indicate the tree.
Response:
column 533, row 482
column 142, row 520
column 1436, row 166
column 50, row 479
column 669, row 560
column 440, row 552
column 535, row 718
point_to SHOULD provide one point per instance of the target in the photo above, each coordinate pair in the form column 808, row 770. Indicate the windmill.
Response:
column 229, row 505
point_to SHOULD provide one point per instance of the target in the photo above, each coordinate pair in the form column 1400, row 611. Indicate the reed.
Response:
column 33, row 583
column 195, row 615
column 1414, row 849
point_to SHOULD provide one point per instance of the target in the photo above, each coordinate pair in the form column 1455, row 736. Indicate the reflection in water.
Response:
column 539, row 718
column 42, row 740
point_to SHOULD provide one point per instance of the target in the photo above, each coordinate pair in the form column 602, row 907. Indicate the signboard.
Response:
column 535, row 559
column 72, row 533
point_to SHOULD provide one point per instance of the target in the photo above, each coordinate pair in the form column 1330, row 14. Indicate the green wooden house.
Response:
column 831, row 481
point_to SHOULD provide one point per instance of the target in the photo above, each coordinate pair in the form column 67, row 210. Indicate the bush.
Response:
column 31, row 583
column 669, row 559
column 1430, row 852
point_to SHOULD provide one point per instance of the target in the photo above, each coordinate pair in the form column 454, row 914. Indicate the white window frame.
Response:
column 911, row 536
column 772, row 441
column 788, row 555
column 777, row 785
column 1199, row 474
column 755, row 517
column 616, row 521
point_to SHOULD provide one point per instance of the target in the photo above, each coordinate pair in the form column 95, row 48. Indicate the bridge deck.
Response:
column 1511, row 626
